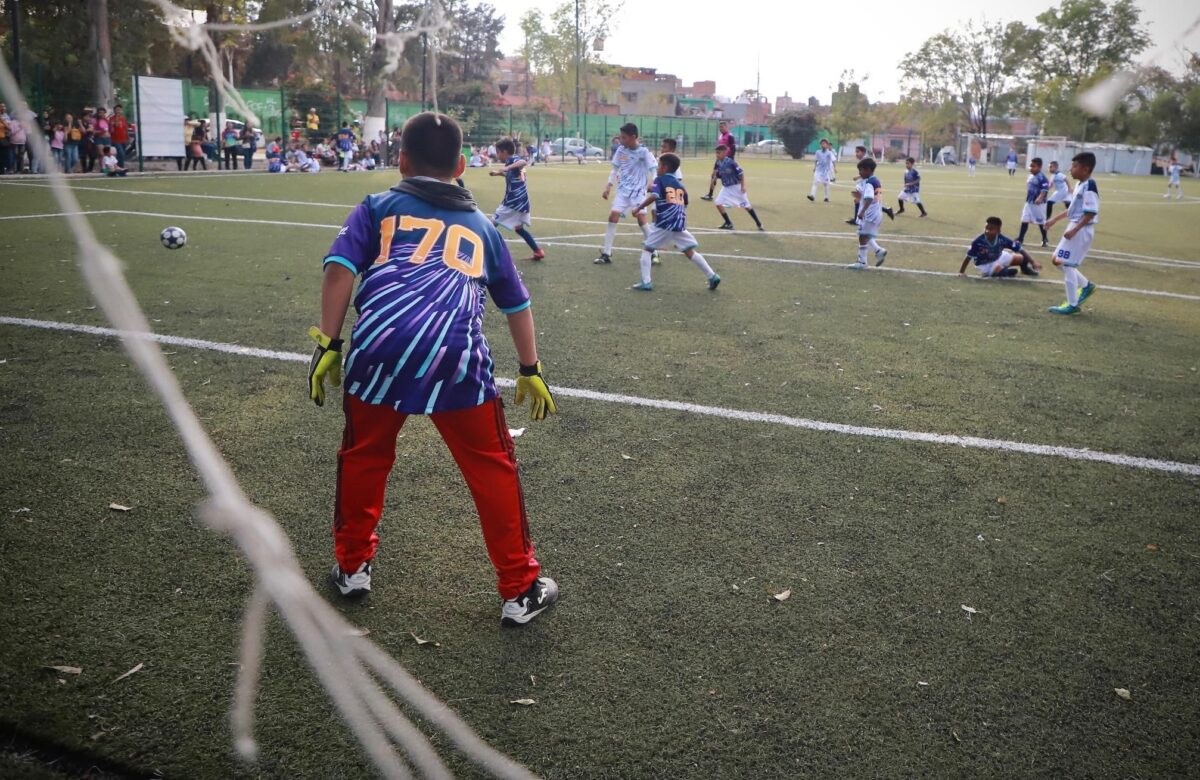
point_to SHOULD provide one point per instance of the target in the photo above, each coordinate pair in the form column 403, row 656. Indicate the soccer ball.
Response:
column 173, row 238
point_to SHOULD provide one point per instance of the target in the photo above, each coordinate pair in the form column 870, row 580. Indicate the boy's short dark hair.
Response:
column 433, row 144
column 671, row 143
column 506, row 145
column 1054, row 162
column 629, row 128
column 118, row 105
column 994, row 222
column 1037, row 160
column 1086, row 159
column 669, row 161
column 910, row 159
column 866, row 164
column 107, row 149
column 862, row 149
column 722, row 148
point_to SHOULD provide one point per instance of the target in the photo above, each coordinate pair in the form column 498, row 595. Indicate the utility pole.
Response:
column 424, row 62
column 577, row 59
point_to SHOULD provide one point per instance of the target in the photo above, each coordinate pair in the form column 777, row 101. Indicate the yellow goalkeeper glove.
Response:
column 326, row 363
column 541, row 402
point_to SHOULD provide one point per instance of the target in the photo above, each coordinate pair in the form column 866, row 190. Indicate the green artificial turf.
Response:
column 669, row 532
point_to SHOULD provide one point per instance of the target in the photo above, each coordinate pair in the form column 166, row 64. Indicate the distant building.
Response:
column 700, row 90
column 647, row 92
column 785, row 103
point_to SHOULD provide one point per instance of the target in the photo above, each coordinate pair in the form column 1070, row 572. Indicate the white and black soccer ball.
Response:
column 173, row 237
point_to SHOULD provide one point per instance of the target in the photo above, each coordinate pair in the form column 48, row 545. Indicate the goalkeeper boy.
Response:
column 427, row 259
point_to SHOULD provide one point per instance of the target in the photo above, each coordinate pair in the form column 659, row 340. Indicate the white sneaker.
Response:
column 857, row 266
column 880, row 256
column 352, row 585
column 536, row 599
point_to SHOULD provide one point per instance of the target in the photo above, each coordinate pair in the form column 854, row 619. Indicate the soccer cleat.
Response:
column 706, row 197
column 539, row 597
column 654, row 258
column 1045, row 244
column 857, row 266
column 603, row 259
column 643, row 286
column 352, row 585
column 538, row 254
column 1167, row 195
column 891, row 214
column 852, row 222
column 880, row 256
column 827, row 200
column 713, row 281
column 1086, row 292
column 726, row 226
column 761, row 228
column 810, row 197
column 1063, row 308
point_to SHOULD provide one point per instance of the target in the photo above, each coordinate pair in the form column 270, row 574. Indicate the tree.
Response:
column 848, row 108
column 796, row 129
column 973, row 68
column 550, row 43
column 1177, row 109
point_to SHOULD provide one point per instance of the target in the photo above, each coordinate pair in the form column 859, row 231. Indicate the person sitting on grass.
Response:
column 997, row 255
column 109, row 164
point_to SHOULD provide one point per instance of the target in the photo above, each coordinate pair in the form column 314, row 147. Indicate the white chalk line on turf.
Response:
column 969, row 442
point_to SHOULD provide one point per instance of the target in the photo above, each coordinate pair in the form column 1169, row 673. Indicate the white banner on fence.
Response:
column 159, row 116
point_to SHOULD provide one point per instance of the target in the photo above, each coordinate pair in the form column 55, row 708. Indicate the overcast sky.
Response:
column 802, row 47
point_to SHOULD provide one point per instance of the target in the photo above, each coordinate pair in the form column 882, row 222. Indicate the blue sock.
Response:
column 525, row 234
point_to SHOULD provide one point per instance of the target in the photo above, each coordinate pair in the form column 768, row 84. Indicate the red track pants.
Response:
column 479, row 441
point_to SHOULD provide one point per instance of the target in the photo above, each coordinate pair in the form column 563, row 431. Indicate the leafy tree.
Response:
column 973, row 67
column 550, row 45
column 1177, row 109
column 796, row 129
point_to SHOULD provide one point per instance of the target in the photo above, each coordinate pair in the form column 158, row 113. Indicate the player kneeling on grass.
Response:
column 1072, row 249
column 997, row 255
column 428, row 261
column 513, row 212
column 670, row 223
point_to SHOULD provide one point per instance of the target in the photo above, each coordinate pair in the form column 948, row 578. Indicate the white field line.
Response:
column 888, row 269
column 914, row 239
column 551, row 241
column 971, row 442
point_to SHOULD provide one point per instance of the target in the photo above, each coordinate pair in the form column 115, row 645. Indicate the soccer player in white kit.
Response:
column 1173, row 170
column 824, row 170
column 1072, row 249
column 1059, row 192
column 633, row 169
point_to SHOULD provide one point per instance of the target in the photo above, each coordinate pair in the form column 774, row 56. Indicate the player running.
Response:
column 633, row 168
column 514, row 212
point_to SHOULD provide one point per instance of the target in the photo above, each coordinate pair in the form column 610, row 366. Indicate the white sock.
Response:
column 1072, row 285
column 874, row 245
column 646, row 266
column 645, row 226
column 862, row 254
column 702, row 264
column 1080, row 279
column 812, row 193
column 610, row 234
column 826, row 190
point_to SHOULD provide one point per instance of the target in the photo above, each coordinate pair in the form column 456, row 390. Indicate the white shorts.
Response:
column 1059, row 198
column 1004, row 261
column 732, row 195
column 1174, row 182
column 822, row 178
column 1012, row 166
column 870, row 228
column 1034, row 212
column 1073, row 251
column 658, row 238
column 510, row 218
column 625, row 202
column 911, row 197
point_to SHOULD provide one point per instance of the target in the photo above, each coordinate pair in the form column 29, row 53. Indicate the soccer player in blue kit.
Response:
column 1037, row 189
column 868, row 200
column 912, row 188
column 428, row 261
column 513, row 212
column 997, row 255
column 733, row 189
column 670, row 223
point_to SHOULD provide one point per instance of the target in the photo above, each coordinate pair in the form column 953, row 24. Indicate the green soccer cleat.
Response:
column 643, row 286
column 1064, row 308
column 1086, row 292
column 713, row 281
column 654, row 259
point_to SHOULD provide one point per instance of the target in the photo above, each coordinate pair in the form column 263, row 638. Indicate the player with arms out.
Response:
column 633, row 167
column 670, row 223
column 1173, row 171
column 996, row 255
column 733, row 189
column 1037, row 188
column 513, row 212
column 428, row 261
column 868, row 200
column 1059, row 192
column 824, row 170
column 912, row 188
column 1072, row 249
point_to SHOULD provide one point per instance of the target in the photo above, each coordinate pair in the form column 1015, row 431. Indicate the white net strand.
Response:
column 321, row 632
column 249, row 666
column 1103, row 98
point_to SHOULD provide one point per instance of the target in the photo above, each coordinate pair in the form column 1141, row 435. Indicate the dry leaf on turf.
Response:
column 1002, row 500
column 65, row 669
column 421, row 641
column 523, row 702
column 1123, row 693
column 969, row 610
column 515, row 432
column 134, row 670
column 119, row 507
column 625, row 457
column 1152, row 547
column 784, row 596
